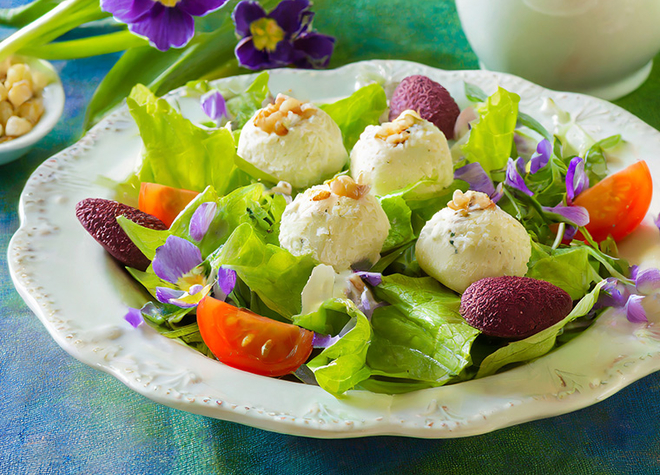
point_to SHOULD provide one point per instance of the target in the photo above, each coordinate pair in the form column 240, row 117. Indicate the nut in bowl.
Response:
column 31, row 103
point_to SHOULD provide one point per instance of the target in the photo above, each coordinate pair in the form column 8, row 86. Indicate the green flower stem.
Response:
column 18, row 17
column 61, row 19
column 230, row 68
column 86, row 47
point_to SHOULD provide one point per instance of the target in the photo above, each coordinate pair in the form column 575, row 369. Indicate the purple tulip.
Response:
column 280, row 38
column 166, row 23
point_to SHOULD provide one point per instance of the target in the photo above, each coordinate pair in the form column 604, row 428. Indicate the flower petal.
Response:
column 476, row 177
column 499, row 193
column 520, row 166
column 202, row 219
column 250, row 57
column 214, row 105
column 575, row 215
column 226, row 280
column 292, row 16
column 313, row 50
column 635, row 312
column 542, row 156
column 165, row 27
column 656, row 221
column 199, row 7
column 577, row 179
column 324, row 341
column 611, row 294
column 134, row 317
column 570, row 232
column 244, row 14
column 166, row 295
column 372, row 278
column 514, row 180
column 127, row 11
column 647, row 281
column 175, row 258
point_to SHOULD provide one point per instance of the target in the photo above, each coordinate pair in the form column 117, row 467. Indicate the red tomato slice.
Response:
column 618, row 203
column 164, row 202
column 247, row 341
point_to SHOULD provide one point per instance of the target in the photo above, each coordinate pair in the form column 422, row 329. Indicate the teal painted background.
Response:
column 58, row 416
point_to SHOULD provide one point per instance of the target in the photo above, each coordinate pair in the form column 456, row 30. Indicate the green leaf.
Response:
column 474, row 93
column 276, row 275
column 243, row 106
column 342, row 366
column 329, row 319
column 147, row 240
column 567, row 268
column 179, row 154
column 539, row 344
column 354, row 113
column 491, row 138
column 399, row 214
column 420, row 336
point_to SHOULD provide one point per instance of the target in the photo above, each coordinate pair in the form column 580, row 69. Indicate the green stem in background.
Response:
column 61, row 19
column 86, row 47
column 18, row 17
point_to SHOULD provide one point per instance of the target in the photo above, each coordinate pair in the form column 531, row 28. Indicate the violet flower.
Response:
column 542, row 156
column 630, row 297
column 166, row 23
column 214, row 106
column 134, row 317
column 201, row 220
column 577, row 179
column 575, row 215
column 280, row 38
column 514, row 178
column 656, row 221
column 478, row 180
column 225, row 283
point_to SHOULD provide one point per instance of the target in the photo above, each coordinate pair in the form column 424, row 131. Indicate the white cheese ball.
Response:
column 394, row 155
column 336, row 230
column 464, row 243
column 307, row 150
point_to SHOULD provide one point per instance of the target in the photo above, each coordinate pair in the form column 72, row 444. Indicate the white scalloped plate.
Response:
column 81, row 295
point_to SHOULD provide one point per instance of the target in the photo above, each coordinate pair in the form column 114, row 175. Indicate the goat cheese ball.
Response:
column 294, row 141
column 470, row 239
column 339, row 223
column 396, row 154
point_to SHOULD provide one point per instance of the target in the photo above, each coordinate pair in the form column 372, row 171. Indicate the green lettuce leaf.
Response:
column 179, row 154
column 539, row 344
column 353, row 114
column 277, row 276
column 567, row 268
column 342, row 366
column 421, row 335
column 491, row 138
column 399, row 214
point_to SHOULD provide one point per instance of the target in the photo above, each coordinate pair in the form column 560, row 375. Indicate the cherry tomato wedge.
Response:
column 244, row 340
column 618, row 203
column 163, row 202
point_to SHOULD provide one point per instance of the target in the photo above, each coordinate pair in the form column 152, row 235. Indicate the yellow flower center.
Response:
column 266, row 33
column 168, row 3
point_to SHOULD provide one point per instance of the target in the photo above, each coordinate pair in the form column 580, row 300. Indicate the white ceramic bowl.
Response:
column 53, row 95
column 598, row 47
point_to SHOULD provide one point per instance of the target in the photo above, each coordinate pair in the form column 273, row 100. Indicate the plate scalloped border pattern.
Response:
column 49, row 247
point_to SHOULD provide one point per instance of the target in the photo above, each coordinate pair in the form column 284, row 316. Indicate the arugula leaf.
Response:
column 539, row 344
column 342, row 366
column 491, row 138
column 277, row 276
column 354, row 113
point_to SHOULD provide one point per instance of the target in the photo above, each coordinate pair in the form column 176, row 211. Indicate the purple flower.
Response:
column 576, row 179
column 542, row 156
column 324, row 341
column 201, row 220
column 475, row 176
column 178, row 262
column 214, row 105
column 647, row 281
column 635, row 312
column 576, row 215
column 372, row 278
column 166, row 23
column 279, row 38
column 134, row 317
column 570, row 232
column 657, row 221
column 225, row 283
column 514, row 178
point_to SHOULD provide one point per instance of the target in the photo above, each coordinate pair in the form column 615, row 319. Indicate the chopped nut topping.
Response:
column 270, row 119
column 321, row 195
column 469, row 201
column 396, row 132
column 344, row 185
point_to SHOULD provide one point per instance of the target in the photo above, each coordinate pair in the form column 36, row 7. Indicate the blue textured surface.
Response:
column 58, row 416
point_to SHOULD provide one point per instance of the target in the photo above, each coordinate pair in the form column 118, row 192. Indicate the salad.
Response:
column 313, row 256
